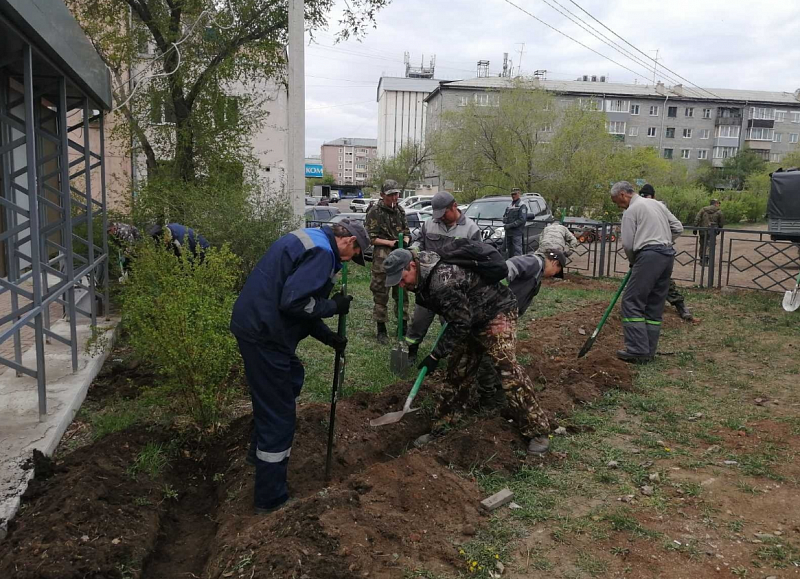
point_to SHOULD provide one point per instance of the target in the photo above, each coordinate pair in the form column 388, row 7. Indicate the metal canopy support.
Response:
column 48, row 174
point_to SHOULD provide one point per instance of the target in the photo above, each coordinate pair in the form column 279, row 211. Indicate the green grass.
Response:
column 151, row 460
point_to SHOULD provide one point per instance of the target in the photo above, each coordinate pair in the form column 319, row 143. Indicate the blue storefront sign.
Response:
column 313, row 171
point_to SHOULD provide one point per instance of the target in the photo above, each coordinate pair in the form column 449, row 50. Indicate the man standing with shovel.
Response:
column 481, row 319
column 284, row 300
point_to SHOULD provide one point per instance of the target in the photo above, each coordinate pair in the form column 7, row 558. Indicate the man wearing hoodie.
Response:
column 710, row 216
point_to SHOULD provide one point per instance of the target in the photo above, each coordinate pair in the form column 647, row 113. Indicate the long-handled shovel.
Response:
column 590, row 342
column 393, row 417
column 791, row 299
column 398, row 362
column 338, row 378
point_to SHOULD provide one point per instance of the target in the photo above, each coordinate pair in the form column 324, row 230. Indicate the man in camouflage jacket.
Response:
column 482, row 319
column 384, row 222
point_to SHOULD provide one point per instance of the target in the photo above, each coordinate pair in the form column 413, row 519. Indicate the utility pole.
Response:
column 521, row 52
column 296, row 106
column 655, row 65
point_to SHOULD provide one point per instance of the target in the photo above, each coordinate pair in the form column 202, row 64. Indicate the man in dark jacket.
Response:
column 514, row 220
column 384, row 222
column 284, row 300
column 710, row 216
column 482, row 318
column 525, row 274
column 178, row 237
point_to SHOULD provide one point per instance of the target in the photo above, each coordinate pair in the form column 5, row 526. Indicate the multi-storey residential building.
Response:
column 349, row 160
column 401, row 112
column 685, row 125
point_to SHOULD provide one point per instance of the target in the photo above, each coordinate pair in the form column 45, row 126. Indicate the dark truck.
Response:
column 783, row 207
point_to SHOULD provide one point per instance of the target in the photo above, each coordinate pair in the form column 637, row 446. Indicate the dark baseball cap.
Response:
column 559, row 256
column 356, row 228
column 440, row 202
column 394, row 265
column 647, row 191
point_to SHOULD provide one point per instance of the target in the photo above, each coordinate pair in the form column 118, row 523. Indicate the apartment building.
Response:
column 686, row 125
column 349, row 160
column 401, row 112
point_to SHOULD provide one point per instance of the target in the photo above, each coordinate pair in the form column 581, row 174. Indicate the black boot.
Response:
column 382, row 336
column 412, row 352
column 684, row 312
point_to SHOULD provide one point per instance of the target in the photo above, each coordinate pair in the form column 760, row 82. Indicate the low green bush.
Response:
column 177, row 313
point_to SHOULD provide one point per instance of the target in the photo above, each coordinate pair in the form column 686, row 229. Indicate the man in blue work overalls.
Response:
column 285, row 299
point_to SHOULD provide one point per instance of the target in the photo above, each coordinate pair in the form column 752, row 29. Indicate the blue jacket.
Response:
column 181, row 233
column 285, row 298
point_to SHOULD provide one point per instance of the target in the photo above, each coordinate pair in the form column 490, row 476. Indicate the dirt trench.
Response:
column 389, row 507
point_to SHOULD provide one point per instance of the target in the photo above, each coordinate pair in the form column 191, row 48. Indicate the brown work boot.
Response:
column 382, row 336
column 684, row 313
column 539, row 446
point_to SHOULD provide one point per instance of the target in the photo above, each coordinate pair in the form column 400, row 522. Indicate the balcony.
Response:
column 761, row 123
column 728, row 120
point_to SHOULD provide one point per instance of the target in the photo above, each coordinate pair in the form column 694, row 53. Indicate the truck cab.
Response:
column 783, row 206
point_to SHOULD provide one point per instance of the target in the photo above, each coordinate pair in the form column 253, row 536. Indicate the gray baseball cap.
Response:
column 559, row 256
column 394, row 265
column 440, row 202
column 356, row 228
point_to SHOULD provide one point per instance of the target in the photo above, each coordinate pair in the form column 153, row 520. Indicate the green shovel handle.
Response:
column 610, row 307
column 400, row 297
column 422, row 373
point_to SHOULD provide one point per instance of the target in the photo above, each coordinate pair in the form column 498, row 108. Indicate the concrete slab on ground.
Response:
column 21, row 430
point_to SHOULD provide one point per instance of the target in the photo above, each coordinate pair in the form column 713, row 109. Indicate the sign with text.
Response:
column 313, row 171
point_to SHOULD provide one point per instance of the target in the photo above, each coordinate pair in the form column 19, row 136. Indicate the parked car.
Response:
column 322, row 214
column 410, row 200
column 359, row 205
column 417, row 205
column 310, row 200
column 488, row 212
column 334, row 196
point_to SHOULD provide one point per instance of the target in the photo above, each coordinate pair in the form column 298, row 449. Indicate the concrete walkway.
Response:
column 20, row 429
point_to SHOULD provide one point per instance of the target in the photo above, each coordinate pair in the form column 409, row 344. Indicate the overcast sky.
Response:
column 712, row 43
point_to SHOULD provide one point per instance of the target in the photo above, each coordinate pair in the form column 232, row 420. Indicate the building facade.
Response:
column 401, row 112
column 685, row 125
column 349, row 160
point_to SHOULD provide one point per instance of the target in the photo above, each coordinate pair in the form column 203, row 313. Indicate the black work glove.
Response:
column 429, row 362
column 342, row 303
column 337, row 342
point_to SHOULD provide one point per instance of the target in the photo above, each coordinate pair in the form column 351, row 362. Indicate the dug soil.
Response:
column 388, row 508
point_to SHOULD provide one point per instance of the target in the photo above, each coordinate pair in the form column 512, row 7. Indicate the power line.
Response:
column 646, row 55
column 636, row 74
column 341, row 105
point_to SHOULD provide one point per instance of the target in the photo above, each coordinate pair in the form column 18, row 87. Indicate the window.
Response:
column 702, row 153
column 762, row 113
column 463, row 100
column 687, row 133
column 725, row 152
column 704, row 133
column 633, row 132
column 670, row 133
column 590, row 104
column 340, row 151
column 760, row 134
column 361, row 167
column 486, row 100
column 162, row 113
column 634, row 109
column 616, row 127
column 672, row 111
column 775, row 157
column 340, row 166
column 668, row 153
column 652, row 131
column 689, row 112
column 793, row 138
column 339, row 175
column 777, row 137
column 796, row 117
column 653, row 110
column 780, row 116
column 617, row 106
column 685, row 153
column 727, row 131
column 340, row 160
column 362, row 151
column 548, row 128
column 706, row 113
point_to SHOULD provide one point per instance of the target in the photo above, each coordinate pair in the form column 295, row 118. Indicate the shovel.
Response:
column 338, row 378
column 791, row 299
column 393, row 417
column 398, row 362
column 590, row 342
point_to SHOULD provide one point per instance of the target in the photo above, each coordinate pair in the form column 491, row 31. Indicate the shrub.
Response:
column 177, row 314
column 684, row 202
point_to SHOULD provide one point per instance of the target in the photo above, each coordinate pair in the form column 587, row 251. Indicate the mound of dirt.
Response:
column 391, row 517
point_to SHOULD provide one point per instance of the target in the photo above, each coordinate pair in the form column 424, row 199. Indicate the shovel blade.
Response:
column 587, row 346
column 391, row 417
column 398, row 362
column 791, row 301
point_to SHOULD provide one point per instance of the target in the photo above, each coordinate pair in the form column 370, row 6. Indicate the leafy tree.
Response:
column 738, row 168
column 192, row 52
column 406, row 167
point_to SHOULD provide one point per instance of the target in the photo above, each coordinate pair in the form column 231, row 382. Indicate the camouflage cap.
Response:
column 388, row 185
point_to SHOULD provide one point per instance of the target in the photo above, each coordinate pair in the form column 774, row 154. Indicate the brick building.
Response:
column 348, row 160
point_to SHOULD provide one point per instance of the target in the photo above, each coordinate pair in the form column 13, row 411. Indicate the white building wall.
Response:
column 401, row 119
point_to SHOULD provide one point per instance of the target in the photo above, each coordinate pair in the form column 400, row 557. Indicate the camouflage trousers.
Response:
column 497, row 342
column 674, row 297
column 380, row 293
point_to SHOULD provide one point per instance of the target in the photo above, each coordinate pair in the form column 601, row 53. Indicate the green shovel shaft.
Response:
column 400, row 297
column 338, row 378
column 610, row 307
column 422, row 373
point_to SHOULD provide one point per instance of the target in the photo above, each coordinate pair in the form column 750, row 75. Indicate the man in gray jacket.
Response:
column 649, row 231
column 514, row 220
column 448, row 222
